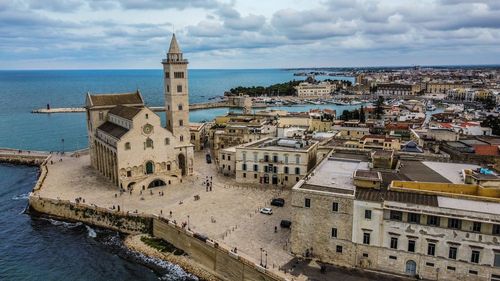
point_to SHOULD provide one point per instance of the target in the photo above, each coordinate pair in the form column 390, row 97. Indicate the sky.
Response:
column 121, row 34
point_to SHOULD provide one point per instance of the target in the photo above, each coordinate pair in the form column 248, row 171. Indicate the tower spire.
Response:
column 174, row 46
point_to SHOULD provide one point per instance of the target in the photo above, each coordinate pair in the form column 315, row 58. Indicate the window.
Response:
column 413, row 218
column 433, row 220
column 255, row 168
column 168, row 167
column 334, row 233
column 452, row 254
column 451, row 268
column 179, row 106
column 168, row 90
column 127, row 146
column 244, row 167
column 101, row 115
column 454, row 223
column 394, row 242
column 146, row 116
column 181, row 138
column 496, row 229
column 266, row 158
column 167, row 141
column 297, row 170
column 244, row 155
column 223, row 156
column 266, row 169
column 244, row 175
column 129, row 173
column 496, row 261
column 366, row 238
column 149, row 142
column 393, row 257
column 193, row 137
column 335, row 207
column 179, row 75
column 181, row 123
column 275, row 158
column 255, row 157
column 286, row 158
column 339, row 249
column 368, row 214
column 179, row 88
column 474, row 257
column 431, row 249
column 476, row 227
column 307, row 203
column 365, row 255
column 429, row 264
column 254, row 176
column 229, row 158
column 297, row 159
column 167, row 74
column 396, row 215
column 473, row 272
column 411, row 245
column 229, row 167
column 286, row 170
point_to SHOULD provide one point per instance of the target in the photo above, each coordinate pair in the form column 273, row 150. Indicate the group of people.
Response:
column 208, row 183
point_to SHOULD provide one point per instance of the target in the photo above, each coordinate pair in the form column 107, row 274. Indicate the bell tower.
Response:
column 176, row 92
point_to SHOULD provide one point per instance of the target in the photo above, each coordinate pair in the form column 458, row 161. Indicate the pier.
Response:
column 194, row 106
column 23, row 157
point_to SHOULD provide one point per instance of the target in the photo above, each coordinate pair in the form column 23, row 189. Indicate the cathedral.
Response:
column 127, row 141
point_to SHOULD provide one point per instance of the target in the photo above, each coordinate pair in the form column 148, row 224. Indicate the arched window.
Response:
column 180, row 106
column 181, row 138
column 149, row 142
column 150, row 167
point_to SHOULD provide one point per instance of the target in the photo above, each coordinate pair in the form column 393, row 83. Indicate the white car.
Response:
column 267, row 211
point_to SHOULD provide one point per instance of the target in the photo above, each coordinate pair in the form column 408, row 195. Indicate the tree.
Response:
column 355, row 114
column 493, row 123
column 346, row 115
column 379, row 110
column 362, row 117
column 488, row 103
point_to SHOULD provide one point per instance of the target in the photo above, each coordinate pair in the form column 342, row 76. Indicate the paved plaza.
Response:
column 228, row 214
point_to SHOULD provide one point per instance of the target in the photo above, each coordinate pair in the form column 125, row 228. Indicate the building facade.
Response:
column 127, row 142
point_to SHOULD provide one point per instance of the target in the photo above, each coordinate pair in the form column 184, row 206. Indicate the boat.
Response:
column 431, row 107
column 355, row 102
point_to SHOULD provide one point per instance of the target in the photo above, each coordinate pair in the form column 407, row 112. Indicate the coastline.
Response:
column 134, row 243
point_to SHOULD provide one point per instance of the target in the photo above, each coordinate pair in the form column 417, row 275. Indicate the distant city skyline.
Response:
column 123, row 34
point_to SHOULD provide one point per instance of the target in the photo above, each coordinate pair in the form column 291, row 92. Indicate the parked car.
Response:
column 267, row 211
column 285, row 223
column 209, row 158
column 278, row 202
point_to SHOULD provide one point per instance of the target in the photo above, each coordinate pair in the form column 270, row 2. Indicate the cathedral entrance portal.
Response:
column 182, row 163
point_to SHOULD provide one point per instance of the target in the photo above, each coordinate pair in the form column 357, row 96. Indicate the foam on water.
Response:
column 91, row 232
column 23, row 196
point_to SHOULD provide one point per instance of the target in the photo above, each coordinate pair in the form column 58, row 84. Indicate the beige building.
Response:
column 439, row 230
column 127, row 142
column 398, row 89
column 199, row 135
column 273, row 161
column 315, row 90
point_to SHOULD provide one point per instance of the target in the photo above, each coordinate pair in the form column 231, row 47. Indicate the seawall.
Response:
column 13, row 156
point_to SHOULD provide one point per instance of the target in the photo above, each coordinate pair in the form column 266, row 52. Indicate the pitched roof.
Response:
column 133, row 98
column 112, row 129
column 490, row 150
column 126, row 112
column 174, row 46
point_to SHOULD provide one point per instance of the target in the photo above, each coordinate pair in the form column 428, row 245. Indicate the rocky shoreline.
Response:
column 134, row 242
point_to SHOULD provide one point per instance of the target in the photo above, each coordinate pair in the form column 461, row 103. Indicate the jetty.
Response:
column 194, row 106
column 23, row 157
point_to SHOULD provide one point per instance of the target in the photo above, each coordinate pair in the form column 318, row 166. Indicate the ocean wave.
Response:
column 23, row 196
column 91, row 232
column 64, row 224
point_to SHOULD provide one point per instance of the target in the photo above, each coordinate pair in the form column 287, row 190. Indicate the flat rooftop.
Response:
column 428, row 171
column 335, row 174
column 280, row 144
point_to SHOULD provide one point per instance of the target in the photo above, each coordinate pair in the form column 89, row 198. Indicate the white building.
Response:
column 315, row 90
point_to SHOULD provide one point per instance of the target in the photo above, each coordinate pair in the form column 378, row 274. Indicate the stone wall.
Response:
column 214, row 258
column 64, row 209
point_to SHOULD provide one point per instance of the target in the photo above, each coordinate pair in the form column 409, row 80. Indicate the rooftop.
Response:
column 113, row 129
column 126, row 112
column 335, row 173
column 280, row 144
column 132, row 98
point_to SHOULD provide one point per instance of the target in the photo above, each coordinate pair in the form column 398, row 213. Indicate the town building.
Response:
column 127, row 142
column 430, row 220
column 314, row 89
column 199, row 135
column 397, row 89
column 273, row 161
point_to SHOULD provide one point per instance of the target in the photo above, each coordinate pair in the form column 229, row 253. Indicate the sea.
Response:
column 34, row 248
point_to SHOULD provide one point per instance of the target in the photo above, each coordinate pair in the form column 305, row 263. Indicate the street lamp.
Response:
column 265, row 265
column 188, row 223
column 62, row 141
column 261, row 257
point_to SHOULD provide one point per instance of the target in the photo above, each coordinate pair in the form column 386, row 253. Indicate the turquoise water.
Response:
column 22, row 91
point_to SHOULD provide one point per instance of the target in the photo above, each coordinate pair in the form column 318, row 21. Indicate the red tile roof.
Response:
column 487, row 150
